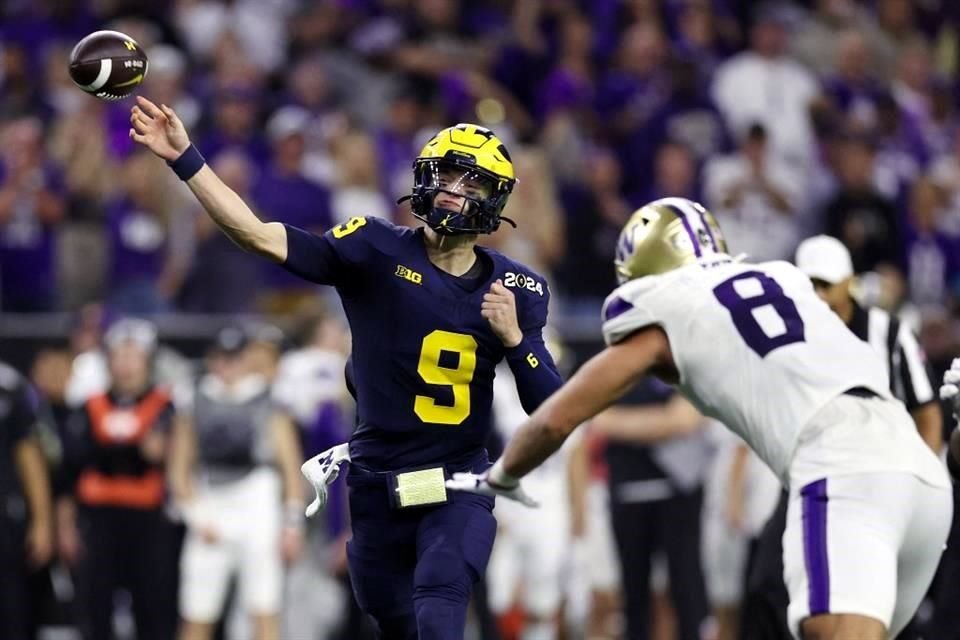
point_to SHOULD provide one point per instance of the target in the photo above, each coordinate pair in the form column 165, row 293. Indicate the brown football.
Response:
column 108, row 65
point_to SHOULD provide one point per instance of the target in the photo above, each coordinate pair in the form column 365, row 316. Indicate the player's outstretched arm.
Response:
column 597, row 385
column 159, row 129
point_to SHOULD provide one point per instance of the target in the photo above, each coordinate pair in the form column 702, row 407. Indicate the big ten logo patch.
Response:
column 408, row 274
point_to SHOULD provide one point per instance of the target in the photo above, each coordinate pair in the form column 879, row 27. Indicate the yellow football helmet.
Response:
column 470, row 162
column 664, row 235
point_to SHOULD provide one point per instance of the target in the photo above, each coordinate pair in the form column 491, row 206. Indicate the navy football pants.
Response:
column 413, row 569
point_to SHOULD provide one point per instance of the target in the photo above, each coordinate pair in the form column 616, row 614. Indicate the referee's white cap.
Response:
column 824, row 258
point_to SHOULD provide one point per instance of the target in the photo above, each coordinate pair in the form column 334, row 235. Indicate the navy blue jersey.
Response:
column 423, row 357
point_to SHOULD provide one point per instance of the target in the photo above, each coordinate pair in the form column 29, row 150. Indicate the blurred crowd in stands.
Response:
column 786, row 119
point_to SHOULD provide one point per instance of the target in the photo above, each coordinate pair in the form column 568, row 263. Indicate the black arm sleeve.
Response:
column 312, row 257
column 535, row 372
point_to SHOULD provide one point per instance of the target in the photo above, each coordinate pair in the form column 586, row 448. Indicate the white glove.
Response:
column 321, row 470
column 951, row 387
column 481, row 484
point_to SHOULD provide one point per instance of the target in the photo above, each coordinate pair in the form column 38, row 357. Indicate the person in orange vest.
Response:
column 112, row 524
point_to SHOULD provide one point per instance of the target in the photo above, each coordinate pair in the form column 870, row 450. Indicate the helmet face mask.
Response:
column 461, row 181
column 456, row 200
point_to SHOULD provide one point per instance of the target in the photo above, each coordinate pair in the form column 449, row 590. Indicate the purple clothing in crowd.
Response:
column 27, row 252
column 253, row 146
column 296, row 201
column 563, row 90
column 138, row 243
column 932, row 264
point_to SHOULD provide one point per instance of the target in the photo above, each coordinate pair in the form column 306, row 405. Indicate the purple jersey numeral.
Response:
column 741, row 310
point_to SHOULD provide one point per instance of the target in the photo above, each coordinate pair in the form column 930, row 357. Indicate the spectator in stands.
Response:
column 852, row 88
column 221, row 278
column 396, row 142
column 284, row 194
column 858, row 214
column 631, row 93
column 931, row 258
column 674, row 174
column 149, row 239
column 756, row 196
column 31, row 208
column 823, row 42
column 235, row 110
column 566, row 97
column 356, row 186
column 764, row 85
column 688, row 117
column 595, row 212
column 167, row 82
column 945, row 171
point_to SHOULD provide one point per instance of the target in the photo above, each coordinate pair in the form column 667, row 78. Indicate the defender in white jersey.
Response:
column 754, row 347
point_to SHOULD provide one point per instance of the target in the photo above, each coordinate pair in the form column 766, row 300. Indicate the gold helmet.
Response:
column 480, row 160
column 664, row 235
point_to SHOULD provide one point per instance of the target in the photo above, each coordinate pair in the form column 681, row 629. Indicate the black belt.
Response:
column 861, row 392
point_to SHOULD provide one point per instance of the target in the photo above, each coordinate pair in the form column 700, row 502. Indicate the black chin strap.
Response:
column 506, row 219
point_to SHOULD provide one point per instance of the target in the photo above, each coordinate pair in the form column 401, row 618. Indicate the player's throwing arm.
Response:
column 159, row 129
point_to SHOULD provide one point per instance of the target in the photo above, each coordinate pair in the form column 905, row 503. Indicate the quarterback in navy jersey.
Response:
column 431, row 315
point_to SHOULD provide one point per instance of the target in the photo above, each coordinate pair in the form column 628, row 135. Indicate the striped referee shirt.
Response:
column 895, row 342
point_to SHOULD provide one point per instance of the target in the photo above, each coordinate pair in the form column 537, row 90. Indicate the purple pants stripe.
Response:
column 815, row 546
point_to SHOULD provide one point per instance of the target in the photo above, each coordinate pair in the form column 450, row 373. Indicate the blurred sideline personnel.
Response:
column 657, row 455
column 229, row 464
column 754, row 347
column 111, row 516
column 945, row 623
column 827, row 262
column 26, row 512
column 431, row 315
column 535, row 558
column 310, row 385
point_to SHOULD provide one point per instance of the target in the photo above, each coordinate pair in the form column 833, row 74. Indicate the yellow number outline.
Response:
column 348, row 227
column 458, row 378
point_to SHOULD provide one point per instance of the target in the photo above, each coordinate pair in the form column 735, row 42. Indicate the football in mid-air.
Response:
column 108, row 65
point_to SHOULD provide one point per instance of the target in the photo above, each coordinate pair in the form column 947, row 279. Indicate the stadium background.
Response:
column 786, row 119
